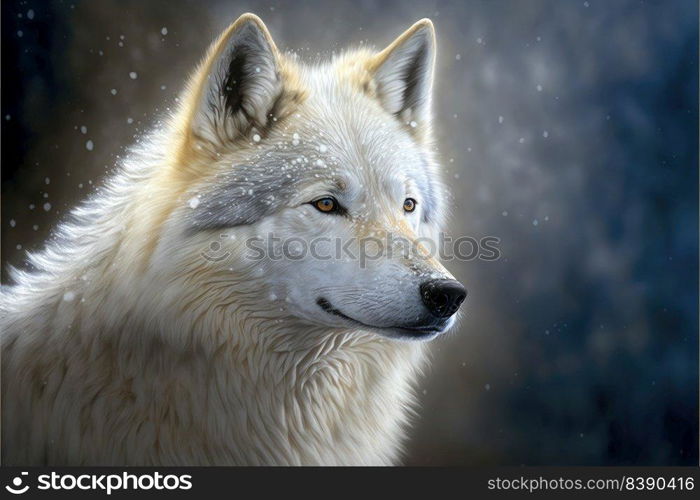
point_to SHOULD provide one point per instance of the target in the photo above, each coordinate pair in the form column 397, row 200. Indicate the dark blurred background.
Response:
column 569, row 129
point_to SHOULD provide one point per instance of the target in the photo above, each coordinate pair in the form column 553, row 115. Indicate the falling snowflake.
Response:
column 193, row 202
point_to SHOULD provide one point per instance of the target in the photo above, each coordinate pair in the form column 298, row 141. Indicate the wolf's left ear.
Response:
column 239, row 82
column 403, row 73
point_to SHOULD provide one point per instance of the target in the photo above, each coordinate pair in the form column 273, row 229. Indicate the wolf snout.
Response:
column 443, row 297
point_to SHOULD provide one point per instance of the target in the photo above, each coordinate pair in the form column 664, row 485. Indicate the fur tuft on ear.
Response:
column 240, row 84
column 403, row 73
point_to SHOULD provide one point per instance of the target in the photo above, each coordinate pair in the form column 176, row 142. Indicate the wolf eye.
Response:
column 326, row 205
column 409, row 205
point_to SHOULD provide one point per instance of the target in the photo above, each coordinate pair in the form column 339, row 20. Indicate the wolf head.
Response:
column 310, row 192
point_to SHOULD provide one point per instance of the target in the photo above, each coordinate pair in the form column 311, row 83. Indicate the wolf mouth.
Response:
column 410, row 331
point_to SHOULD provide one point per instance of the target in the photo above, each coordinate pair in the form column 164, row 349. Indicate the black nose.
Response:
column 442, row 297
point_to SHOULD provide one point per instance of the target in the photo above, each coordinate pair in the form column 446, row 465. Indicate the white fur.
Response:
column 115, row 352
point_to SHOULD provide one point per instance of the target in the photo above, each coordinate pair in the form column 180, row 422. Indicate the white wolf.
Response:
column 150, row 331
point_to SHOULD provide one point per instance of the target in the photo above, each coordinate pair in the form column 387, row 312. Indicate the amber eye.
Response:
column 409, row 205
column 326, row 205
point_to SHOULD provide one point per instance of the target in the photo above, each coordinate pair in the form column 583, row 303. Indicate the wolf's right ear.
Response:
column 403, row 73
column 238, row 84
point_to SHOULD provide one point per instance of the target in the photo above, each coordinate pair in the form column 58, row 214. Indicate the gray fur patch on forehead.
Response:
column 249, row 192
column 269, row 183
